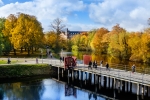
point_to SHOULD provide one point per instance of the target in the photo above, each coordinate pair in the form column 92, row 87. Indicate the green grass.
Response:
column 19, row 70
column 5, row 62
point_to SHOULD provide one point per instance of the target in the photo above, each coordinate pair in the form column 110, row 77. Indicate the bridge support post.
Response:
column 68, row 73
column 114, row 83
column 130, row 87
column 62, row 72
column 85, row 77
column 142, row 90
column 94, row 79
column 72, row 75
column 81, row 75
column 137, row 88
column 105, row 81
column 99, row 82
column 77, row 75
column 146, row 90
column 119, row 83
column 108, row 82
column 127, row 86
column 90, row 78
column 123, row 86
column 58, row 72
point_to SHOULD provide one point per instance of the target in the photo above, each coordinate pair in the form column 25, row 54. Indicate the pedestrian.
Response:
column 9, row 61
column 133, row 68
column 95, row 64
column 101, row 63
column 107, row 66
column 51, row 55
column 60, row 59
column 90, row 64
column 49, row 52
column 36, row 60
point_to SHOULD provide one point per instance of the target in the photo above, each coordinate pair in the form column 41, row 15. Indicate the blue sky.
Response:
column 83, row 15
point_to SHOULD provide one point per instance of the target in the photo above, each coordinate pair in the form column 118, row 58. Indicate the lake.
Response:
column 49, row 88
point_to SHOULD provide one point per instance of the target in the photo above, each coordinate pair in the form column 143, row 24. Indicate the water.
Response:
column 52, row 89
column 114, row 62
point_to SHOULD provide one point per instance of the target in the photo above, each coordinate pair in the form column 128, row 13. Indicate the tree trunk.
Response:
column 21, row 50
column 35, row 49
column 28, row 51
column 32, row 49
column 14, row 51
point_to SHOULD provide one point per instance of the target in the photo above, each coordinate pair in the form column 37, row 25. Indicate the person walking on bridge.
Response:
column 133, row 68
column 107, row 66
column 101, row 63
column 90, row 65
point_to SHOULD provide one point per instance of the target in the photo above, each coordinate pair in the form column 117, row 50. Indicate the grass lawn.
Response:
column 24, row 54
column 5, row 62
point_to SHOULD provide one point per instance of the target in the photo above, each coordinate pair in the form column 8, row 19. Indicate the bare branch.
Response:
column 57, row 25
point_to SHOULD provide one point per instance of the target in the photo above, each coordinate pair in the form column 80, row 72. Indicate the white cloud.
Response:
column 82, row 27
column 45, row 10
column 130, row 14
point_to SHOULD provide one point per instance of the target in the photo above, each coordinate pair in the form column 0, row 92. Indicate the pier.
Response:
column 122, row 79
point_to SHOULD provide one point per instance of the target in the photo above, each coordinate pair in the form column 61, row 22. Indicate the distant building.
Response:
column 67, row 34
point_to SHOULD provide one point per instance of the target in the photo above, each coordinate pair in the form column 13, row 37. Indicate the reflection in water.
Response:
column 111, row 60
column 21, row 91
column 69, row 90
column 49, row 89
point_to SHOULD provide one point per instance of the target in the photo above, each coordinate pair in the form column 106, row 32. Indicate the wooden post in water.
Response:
column 81, row 75
column 137, row 88
column 62, row 72
column 85, row 77
column 130, row 86
column 114, row 83
column 142, row 90
column 123, row 86
column 58, row 73
column 68, row 73
column 72, row 75
column 127, row 86
column 119, row 83
column 105, row 81
column 146, row 91
column 108, row 82
column 77, row 75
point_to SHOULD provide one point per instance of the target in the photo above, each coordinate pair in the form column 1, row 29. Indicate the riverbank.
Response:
column 24, row 70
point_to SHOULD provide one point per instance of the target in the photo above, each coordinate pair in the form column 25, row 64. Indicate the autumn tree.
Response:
column 118, row 45
column 134, row 43
column 97, row 43
column 10, row 24
column 57, row 26
column 24, row 31
column 27, row 33
column 50, row 39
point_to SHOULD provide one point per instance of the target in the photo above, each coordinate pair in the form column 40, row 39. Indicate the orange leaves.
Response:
column 98, row 38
